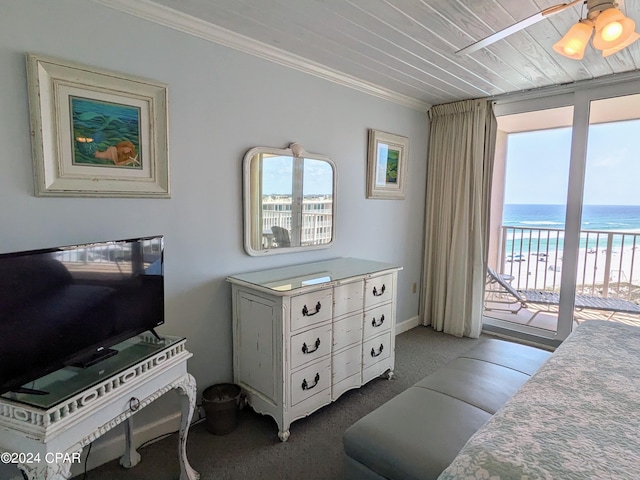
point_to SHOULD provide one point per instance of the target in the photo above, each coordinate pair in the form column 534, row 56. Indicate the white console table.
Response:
column 303, row 335
column 45, row 434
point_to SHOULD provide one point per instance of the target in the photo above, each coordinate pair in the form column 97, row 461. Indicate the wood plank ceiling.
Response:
column 406, row 47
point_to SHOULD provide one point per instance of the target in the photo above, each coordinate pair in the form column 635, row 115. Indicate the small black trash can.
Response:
column 221, row 403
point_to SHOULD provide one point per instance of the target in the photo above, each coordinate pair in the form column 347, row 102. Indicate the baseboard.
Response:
column 407, row 325
column 106, row 449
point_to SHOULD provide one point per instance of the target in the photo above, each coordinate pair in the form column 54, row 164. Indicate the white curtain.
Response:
column 459, row 170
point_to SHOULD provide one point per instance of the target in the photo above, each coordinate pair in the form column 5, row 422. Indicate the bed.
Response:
column 578, row 417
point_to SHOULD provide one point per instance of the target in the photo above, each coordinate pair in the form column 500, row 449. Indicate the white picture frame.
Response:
column 386, row 165
column 96, row 133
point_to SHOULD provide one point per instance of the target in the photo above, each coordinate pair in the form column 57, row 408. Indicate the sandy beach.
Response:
column 596, row 275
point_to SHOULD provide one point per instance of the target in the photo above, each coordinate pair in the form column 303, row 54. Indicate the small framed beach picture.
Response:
column 95, row 132
column 386, row 165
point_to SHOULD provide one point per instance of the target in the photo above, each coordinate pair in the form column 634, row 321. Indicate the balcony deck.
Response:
column 546, row 318
column 531, row 258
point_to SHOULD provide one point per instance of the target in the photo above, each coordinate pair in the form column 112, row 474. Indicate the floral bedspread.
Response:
column 578, row 417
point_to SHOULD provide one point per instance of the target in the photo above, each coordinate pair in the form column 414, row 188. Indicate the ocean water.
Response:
column 624, row 218
column 598, row 218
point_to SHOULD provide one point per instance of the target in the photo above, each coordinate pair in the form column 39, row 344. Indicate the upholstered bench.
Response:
column 417, row 434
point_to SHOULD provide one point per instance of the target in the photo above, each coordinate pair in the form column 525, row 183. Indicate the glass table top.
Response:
column 71, row 380
column 287, row 279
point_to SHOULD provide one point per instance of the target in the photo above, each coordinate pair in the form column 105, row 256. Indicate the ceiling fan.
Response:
column 613, row 30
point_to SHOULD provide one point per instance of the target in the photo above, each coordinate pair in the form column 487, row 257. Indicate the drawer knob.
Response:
column 306, row 386
column 374, row 324
column 373, row 351
column 306, row 350
column 306, row 313
column 375, row 291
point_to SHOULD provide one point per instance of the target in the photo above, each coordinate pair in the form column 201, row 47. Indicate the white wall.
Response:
column 221, row 103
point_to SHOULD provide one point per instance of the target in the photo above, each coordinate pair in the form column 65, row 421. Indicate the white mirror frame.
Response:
column 295, row 150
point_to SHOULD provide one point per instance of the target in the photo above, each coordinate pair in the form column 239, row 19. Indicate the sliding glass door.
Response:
column 608, row 264
column 565, row 239
column 528, row 232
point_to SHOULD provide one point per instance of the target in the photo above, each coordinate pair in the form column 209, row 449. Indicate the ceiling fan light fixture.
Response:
column 612, row 29
column 610, row 51
column 575, row 41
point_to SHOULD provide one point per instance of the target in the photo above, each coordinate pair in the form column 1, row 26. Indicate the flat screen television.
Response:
column 67, row 305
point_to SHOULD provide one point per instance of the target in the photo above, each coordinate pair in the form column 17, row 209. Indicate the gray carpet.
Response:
column 314, row 450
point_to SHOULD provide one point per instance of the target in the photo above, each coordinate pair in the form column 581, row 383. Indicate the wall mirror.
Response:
column 289, row 200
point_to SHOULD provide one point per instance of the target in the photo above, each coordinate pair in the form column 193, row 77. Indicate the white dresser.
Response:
column 303, row 335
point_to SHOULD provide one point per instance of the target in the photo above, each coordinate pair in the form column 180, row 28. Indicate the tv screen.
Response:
column 67, row 305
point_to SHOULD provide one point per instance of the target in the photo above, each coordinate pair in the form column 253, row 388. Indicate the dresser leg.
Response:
column 283, row 435
column 186, row 388
column 131, row 457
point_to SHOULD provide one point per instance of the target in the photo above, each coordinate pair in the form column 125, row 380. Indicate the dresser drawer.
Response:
column 346, row 364
column 311, row 380
column 377, row 320
column 311, row 308
column 347, row 298
column 310, row 345
column 347, row 331
column 376, row 350
column 378, row 290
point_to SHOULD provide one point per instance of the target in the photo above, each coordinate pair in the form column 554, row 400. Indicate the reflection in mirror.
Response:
column 288, row 200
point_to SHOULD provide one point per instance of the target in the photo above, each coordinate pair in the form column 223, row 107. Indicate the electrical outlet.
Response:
column 415, row 287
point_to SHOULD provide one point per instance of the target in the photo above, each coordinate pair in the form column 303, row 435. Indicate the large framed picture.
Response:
column 386, row 165
column 96, row 132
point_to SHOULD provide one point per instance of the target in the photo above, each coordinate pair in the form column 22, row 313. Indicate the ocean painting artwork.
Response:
column 105, row 134
column 98, row 133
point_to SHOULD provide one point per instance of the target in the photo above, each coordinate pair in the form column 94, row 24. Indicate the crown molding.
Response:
column 190, row 25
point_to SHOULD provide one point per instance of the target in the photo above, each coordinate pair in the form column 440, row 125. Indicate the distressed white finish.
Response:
column 291, row 363
column 70, row 426
column 397, row 49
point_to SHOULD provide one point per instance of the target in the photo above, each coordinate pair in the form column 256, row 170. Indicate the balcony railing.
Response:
column 316, row 224
column 607, row 263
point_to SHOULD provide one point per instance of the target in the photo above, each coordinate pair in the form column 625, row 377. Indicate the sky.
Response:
column 538, row 165
column 277, row 176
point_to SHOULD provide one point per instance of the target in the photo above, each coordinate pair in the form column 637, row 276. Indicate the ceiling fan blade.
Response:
column 516, row 27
